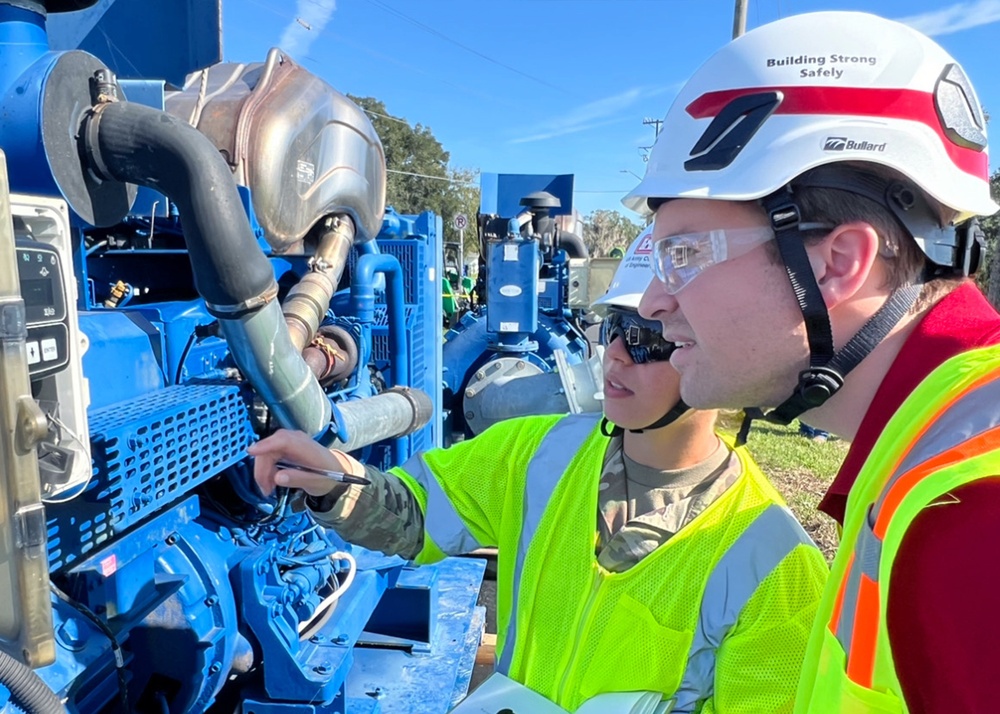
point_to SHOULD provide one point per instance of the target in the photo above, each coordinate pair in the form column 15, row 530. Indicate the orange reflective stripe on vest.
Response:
column 897, row 492
column 857, row 614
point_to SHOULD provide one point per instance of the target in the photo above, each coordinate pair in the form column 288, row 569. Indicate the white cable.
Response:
column 329, row 601
column 76, row 490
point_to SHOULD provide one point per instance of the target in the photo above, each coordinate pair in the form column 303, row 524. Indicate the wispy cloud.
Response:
column 563, row 131
column 955, row 18
column 591, row 115
column 311, row 16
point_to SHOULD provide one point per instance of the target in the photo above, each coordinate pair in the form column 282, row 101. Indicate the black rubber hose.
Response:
column 573, row 245
column 137, row 144
column 27, row 690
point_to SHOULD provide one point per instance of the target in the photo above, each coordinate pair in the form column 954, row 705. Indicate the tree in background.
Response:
column 990, row 277
column 604, row 230
column 419, row 177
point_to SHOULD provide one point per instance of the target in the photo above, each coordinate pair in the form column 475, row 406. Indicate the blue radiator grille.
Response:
column 148, row 452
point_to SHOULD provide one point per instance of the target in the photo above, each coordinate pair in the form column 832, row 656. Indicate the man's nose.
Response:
column 656, row 303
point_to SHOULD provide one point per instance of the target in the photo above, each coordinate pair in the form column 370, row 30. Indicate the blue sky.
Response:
column 553, row 86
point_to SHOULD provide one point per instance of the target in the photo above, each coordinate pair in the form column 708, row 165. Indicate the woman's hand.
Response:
column 299, row 448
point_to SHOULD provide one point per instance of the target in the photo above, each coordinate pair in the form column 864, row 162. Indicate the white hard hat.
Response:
column 817, row 89
column 633, row 275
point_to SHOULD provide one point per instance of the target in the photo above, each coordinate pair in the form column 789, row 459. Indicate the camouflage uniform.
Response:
column 634, row 516
column 641, row 508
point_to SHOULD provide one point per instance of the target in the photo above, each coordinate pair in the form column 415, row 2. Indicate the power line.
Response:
column 472, row 183
column 428, row 176
column 365, row 48
column 619, row 191
column 437, row 33
column 385, row 116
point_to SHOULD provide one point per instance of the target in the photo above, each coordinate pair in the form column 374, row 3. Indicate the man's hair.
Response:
column 903, row 259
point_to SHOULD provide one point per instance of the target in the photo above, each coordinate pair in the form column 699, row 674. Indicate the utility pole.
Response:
column 644, row 150
column 740, row 18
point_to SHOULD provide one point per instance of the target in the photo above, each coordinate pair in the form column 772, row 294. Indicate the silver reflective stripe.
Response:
column 970, row 416
column 547, row 466
column 441, row 521
column 867, row 555
column 756, row 553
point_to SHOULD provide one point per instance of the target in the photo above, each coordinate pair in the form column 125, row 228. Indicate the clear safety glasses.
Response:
column 642, row 338
column 677, row 260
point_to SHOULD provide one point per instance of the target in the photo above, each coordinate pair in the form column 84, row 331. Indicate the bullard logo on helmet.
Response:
column 842, row 143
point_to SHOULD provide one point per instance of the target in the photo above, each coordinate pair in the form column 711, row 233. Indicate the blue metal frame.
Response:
column 501, row 194
column 187, row 36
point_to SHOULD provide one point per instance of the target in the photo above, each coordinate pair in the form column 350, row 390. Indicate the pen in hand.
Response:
column 338, row 476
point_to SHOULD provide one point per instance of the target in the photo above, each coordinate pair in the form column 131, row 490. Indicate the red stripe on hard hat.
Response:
column 854, row 101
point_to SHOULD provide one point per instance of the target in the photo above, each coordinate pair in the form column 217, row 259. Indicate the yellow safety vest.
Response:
column 946, row 434
column 569, row 629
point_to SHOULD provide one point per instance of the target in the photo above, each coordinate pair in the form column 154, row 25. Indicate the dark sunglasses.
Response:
column 643, row 338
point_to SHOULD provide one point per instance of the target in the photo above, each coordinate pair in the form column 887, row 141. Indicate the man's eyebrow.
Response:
column 681, row 231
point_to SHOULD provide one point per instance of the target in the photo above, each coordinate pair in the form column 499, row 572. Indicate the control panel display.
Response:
column 40, row 276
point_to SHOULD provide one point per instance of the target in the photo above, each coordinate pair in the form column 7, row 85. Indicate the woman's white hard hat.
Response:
column 633, row 275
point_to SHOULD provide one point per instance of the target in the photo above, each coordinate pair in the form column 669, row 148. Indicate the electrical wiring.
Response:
column 331, row 599
column 80, row 488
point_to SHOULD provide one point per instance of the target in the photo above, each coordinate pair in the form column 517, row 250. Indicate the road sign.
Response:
column 461, row 222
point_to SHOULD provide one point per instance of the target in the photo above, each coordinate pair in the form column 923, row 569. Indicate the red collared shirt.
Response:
column 944, row 593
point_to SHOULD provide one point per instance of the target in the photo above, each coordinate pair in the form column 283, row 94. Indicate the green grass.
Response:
column 800, row 469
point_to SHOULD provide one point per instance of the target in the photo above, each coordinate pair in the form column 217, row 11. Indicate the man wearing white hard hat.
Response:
column 814, row 186
column 637, row 552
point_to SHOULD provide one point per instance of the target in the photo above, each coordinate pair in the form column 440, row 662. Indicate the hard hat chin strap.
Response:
column 675, row 413
column 827, row 369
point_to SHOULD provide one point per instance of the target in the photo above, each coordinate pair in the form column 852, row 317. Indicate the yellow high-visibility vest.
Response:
column 717, row 617
column 946, row 434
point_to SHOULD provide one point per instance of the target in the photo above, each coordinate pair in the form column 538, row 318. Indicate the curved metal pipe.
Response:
column 573, row 245
column 308, row 301
column 332, row 355
column 571, row 389
column 370, row 247
column 132, row 143
column 363, row 306
column 519, row 396
column 286, row 385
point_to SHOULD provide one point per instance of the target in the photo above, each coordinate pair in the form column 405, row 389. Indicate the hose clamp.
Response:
column 407, row 393
column 90, row 131
column 253, row 304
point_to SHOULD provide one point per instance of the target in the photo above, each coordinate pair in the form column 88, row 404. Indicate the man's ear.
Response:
column 844, row 261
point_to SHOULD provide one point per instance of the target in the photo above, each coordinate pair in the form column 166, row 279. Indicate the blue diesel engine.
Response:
column 157, row 317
